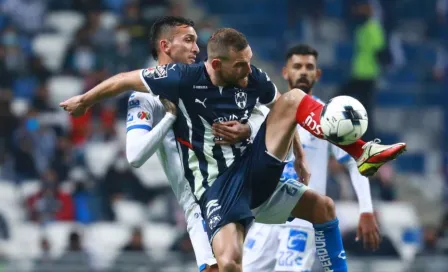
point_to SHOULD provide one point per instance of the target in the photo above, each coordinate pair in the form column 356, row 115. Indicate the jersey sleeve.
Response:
column 163, row 80
column 266, row 87
column 140, row 113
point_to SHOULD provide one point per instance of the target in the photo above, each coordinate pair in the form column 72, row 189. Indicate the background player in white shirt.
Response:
column 149, row 129
column 292, row 246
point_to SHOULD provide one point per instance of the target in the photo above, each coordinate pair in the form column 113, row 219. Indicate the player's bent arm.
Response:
column 257, row 118
column 361, row 185
column 114, row 86
column 141, row 144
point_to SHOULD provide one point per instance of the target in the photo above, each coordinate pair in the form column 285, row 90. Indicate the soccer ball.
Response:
column 343, row 120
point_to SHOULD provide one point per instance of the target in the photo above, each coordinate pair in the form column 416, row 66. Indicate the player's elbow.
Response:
column 133, row 159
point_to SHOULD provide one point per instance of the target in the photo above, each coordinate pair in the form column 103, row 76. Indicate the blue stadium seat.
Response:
column 413, row 163
column 402, row 76
column 24, row 87
column 344, row 52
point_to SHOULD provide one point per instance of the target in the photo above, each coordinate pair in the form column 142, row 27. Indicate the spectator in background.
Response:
column 25, row 165
column 40, row 101
column 50, row 203
column 15, row 59
column 82, row 196
column 369, row 42
column 81, row 58
column 28, row 15
column 121, row 183
column 75, row 254
column 63, row 157
column 136, row 242
column 101, row 38
column 124, row 58
column 5, row 74
column 38, row 69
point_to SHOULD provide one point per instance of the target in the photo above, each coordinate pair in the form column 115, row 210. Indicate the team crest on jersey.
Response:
column 241, row 99
column 143, row 115
column 149, row 72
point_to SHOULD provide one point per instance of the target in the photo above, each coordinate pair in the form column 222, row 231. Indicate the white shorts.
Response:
column 277, row 209
column 260, row 248
column 279, row 248
column 199, row 238
column 297, row 250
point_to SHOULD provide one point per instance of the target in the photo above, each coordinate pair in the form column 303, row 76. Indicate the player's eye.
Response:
column 310, row 67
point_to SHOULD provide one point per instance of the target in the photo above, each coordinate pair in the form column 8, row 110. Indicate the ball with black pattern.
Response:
column 343, row 120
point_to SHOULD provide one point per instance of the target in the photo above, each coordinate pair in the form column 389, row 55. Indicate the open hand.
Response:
column 368, row 231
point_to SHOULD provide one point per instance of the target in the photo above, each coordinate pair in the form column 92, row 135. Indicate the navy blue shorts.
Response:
column 246, row 184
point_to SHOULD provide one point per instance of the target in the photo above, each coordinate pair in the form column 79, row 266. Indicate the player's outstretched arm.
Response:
column 113, row 86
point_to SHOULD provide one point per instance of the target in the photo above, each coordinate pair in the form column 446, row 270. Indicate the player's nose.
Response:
column 196, row 48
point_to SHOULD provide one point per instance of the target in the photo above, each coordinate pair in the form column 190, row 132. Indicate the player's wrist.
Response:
column 170, row 116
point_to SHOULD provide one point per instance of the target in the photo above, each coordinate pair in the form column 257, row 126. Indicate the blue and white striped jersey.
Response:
column 200, row 104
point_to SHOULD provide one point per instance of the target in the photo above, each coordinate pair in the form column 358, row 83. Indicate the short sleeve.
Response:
column 266, row 87
column 163, row 80
column 140, row 113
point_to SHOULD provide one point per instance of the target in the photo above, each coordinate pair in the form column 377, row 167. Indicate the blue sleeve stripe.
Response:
column 344, row 159
column 145, row 127
column 202, row 267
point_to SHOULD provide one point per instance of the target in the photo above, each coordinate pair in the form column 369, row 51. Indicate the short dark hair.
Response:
column 161, row 26
column 224, row 40
column 301, row 49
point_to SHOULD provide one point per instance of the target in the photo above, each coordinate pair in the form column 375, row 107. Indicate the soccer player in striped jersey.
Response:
column 292, row 246
column 235, row 183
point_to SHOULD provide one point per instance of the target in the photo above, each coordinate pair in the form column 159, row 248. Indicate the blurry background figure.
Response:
column 369, row 41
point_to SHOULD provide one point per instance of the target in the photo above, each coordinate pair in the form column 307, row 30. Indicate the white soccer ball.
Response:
column 344, row 120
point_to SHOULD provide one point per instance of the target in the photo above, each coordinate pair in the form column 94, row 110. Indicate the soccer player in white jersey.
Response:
column 149, row 129
column 292, row 247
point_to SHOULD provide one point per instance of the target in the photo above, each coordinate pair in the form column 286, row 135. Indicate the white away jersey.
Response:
column 144, row 112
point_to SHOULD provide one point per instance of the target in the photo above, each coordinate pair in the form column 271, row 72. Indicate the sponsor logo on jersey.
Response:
column 231, row 117
column 135, row 103
column 322, row 252
column 241, row 99
column 143, row 115
column 130, row 118
column 297, row 240
column 148, row 73
column 172, row 67
column 312, row 124
column 212, row 208
column 199, row 87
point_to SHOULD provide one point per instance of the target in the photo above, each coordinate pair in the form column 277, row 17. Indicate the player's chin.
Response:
column 191, row 60
column 303, row 86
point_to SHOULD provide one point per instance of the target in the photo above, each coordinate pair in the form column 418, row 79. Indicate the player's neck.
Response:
column 213, row 77
column 162, row 60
